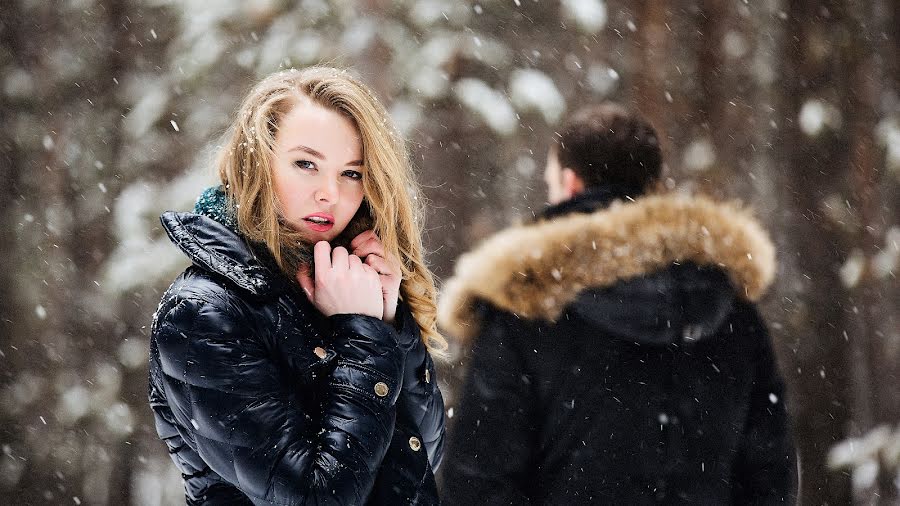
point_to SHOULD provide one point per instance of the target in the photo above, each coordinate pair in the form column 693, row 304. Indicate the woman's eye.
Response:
column 352, row 174
column 305, row 164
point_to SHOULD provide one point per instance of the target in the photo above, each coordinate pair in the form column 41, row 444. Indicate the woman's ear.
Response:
column 571, row 184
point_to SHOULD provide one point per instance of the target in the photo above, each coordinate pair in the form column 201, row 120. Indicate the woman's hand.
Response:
column 367, row 245
column 343, row 284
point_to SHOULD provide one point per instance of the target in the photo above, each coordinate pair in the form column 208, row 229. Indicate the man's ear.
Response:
column 571, row 184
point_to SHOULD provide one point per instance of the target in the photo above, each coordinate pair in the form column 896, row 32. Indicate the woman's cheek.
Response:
column 355, row 195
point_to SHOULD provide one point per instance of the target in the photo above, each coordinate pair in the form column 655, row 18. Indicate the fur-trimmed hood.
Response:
column 537, row 270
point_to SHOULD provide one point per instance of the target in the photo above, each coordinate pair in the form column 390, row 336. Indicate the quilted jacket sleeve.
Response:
column 247, row 425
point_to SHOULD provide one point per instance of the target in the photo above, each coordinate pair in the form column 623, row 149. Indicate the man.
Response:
column 616, row 355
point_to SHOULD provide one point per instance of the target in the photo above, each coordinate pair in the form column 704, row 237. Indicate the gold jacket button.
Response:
column 319, row 351
column 415, row 444
column 381, row 389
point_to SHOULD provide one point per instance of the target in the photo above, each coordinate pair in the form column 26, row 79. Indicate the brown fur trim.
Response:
column 536, row 270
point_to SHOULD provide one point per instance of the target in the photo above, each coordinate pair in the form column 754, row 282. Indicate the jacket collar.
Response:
column 536, row 270
column 210, row 239
column 588, row 201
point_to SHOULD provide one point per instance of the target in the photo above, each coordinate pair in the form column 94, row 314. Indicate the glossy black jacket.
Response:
column 615, row 357
column 261, row 399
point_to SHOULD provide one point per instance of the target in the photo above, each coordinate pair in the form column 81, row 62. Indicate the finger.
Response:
column 372, row 246
column 340, row 259
column 361, row 238
column 392, row 262
column 322, row 256
column 306, row 282
column 355, row 262
column 371, row 273
column 381, row 265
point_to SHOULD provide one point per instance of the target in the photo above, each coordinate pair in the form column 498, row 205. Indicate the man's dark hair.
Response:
column 606, row 144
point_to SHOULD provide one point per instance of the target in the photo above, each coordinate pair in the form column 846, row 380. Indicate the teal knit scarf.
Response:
column 213, row 203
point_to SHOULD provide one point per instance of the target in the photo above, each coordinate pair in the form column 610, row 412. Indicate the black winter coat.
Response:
column 615, row 358
column 263, row 400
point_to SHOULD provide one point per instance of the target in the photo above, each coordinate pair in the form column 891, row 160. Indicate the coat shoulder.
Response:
column 195, row 286
column 201, row 315
column 536, row 270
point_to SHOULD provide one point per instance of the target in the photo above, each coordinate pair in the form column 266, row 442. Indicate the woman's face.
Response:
column 318, row 170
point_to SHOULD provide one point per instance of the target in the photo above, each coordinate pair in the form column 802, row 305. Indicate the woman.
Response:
column 290, row 364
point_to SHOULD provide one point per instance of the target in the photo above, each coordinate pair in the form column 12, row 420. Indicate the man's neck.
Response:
column 588, row 201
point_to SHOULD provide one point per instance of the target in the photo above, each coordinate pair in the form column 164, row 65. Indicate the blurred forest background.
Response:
column 110, row 110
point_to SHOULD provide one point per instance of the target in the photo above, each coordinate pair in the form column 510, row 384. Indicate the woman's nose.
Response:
column 327, row 191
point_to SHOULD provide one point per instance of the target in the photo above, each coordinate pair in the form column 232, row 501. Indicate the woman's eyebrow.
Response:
column 310, row 151
column 354, row 163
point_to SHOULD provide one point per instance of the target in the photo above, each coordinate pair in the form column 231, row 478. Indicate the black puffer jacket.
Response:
column 615, row 359
column 263, row 400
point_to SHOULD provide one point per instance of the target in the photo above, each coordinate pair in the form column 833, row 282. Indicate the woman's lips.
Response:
column 319, row 227
column 319, row 222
